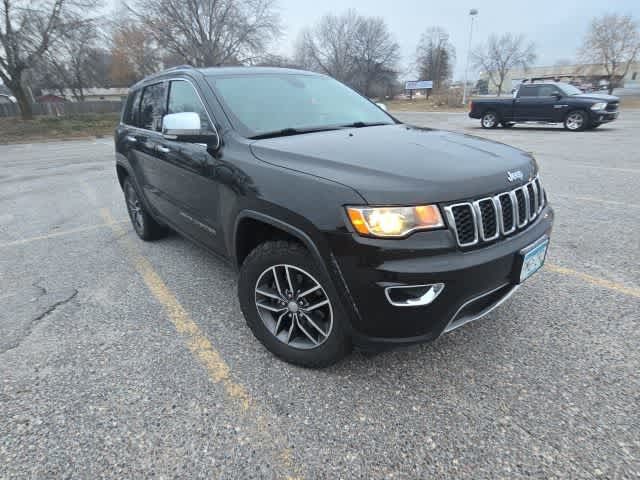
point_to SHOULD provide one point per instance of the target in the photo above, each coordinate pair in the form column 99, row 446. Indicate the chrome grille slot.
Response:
column 508, row 214
column 488, row 218
column 521, row 206
column 463, row 217
column 533, row 200
column 487, row 215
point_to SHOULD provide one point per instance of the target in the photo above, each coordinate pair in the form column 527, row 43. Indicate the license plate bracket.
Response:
column 530, row 259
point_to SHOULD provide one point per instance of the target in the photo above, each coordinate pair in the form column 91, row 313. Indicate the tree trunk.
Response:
column 24, row 100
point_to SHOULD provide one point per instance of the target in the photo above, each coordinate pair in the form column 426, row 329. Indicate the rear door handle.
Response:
column 162, row 149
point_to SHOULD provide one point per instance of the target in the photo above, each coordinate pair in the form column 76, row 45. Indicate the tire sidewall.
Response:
column 273, row 253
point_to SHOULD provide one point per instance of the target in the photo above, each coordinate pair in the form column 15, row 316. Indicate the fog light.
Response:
column 413, row 295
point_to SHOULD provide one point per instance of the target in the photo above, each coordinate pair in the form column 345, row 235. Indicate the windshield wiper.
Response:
column 285, row 132
column 364, row 124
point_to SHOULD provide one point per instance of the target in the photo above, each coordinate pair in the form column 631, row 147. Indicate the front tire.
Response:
column 287, row 305
column 576, row 121
column 489, row 119
column 143, row 223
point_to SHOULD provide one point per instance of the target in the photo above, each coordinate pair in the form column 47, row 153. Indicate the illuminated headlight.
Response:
column 394, row 221
column 599, row 106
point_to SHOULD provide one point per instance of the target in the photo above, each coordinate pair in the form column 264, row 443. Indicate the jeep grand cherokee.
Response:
column 347, row 226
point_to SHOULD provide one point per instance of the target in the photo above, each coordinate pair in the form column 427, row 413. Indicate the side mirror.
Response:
column 186, row 127
column 382, row 106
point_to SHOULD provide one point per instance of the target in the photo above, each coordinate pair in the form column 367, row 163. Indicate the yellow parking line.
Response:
column 61, row 233
column 200, row 346
column 600, row 282
column 196, row 340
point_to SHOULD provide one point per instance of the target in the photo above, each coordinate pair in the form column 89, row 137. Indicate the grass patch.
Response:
column 15, row 130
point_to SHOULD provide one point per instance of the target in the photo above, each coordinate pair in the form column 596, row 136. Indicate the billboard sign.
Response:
column 418, row 85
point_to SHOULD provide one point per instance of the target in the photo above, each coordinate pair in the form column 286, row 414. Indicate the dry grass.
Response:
column 15, row 130
column 629, row 102
column 421, row 105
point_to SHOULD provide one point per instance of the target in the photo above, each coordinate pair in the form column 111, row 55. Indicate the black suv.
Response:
column 547, row 103
column 347, row 226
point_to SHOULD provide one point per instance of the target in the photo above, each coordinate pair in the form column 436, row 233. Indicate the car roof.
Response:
column 220, row 71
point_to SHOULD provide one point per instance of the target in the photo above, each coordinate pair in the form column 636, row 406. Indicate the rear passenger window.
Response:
column 132, row 109
column 529, row 91
column 184, row 98
column 152, row 107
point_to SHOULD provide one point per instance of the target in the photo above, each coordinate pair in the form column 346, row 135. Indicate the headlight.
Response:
column 394, row 221
column 599, row 106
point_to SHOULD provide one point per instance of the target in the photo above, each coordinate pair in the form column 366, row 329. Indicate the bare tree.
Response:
column 77, row 62
column 28, row 29
column 501, row 54
column 435, row 56
column 330, row 46
column 359, row 51
column 134, row 55
column 376, row 55
column 210, row 32
column 612, row 41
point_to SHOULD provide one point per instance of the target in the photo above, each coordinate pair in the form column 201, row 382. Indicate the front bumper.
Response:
column 476, row 281
column 603, row 116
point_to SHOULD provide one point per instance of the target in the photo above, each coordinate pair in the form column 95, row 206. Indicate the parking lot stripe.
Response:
column 61, row 233
column 197, row 342
column 600, row 282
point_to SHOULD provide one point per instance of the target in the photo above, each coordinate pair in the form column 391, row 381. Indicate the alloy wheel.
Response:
column 489, row 120
column 293, row 306
column 134, row 207
column 575, row 121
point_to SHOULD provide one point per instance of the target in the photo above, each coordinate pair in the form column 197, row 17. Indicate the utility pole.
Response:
column 472, row 13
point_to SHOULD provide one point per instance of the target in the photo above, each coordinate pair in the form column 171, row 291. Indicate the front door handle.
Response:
column 162, row 149
column 131, row 139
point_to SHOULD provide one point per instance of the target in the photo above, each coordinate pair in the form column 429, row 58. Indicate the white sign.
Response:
column 418, row 85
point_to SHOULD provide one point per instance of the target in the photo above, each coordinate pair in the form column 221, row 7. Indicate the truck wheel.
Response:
column 287, row 306
column 576, row 120
column 144, row 225
column 507, row 124
column 489, row 119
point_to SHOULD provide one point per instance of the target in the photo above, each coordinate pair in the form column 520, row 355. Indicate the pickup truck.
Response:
column 547, row 103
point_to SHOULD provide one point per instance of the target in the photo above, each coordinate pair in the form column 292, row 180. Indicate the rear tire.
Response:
column 576, row 120
column 489, row 119
column 292, row 326
column 143, row 223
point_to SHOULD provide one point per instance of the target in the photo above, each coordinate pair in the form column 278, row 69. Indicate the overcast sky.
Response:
column 556, row 27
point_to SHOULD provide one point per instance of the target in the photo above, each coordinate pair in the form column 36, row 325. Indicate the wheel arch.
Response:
column 262, row 227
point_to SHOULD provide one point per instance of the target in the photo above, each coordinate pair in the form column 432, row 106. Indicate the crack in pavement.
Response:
column 34, row 321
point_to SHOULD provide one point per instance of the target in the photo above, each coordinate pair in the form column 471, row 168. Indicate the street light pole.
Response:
column 472, row 13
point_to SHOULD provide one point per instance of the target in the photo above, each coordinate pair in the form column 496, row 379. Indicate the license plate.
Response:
column 533, row 260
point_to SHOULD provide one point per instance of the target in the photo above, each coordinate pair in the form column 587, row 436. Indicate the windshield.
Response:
column 569, row 89
column 266, row 103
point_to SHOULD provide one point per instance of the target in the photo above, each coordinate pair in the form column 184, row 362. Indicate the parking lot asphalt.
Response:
column 125, row 359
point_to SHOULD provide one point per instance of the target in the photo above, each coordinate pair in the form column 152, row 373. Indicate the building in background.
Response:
column 586, row 77
column 91, row 94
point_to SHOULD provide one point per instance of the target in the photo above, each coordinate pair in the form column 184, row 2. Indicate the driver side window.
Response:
column 184, row 98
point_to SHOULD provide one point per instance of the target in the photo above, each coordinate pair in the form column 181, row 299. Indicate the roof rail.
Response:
column 177, row 67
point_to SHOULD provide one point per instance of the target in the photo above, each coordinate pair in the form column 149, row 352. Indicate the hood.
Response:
column 600, row 97
column 399, row 164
